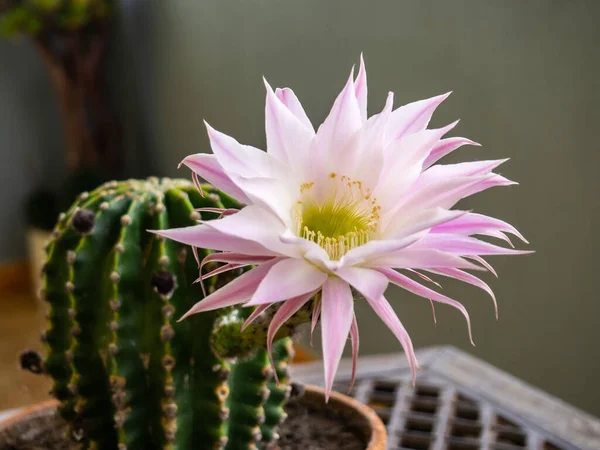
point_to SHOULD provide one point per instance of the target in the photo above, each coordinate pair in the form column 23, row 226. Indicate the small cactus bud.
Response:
column 163, row 282
column 31, row 361
column 83, row 221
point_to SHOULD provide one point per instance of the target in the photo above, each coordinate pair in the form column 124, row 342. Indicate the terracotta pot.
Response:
column 370, row 425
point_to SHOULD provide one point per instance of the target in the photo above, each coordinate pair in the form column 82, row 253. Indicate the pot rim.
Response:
column 337, row 400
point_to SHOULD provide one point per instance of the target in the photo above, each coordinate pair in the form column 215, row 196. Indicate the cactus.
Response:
column 128, row 375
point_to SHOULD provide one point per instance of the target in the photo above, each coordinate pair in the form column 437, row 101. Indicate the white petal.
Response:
column 368, row 282
column 413, row 117
column 341, row 123
column 360, row 89
column 411, row 258
column 256, row 224
column 337, row 310
column 289, row 99
column 207, row 167
column 203, row 236
column 270, row 193
column 372, row 249
column 402, row 225
column 244, row 160
column 288, row 139
column 288, row 278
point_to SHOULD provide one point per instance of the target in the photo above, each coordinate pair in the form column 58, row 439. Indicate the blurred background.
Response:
column 525, row 82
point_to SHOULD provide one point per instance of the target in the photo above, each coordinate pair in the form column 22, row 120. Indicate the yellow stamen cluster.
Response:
column 346, row 218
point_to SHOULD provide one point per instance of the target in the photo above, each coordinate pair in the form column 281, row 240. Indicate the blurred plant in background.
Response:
column 71, row 37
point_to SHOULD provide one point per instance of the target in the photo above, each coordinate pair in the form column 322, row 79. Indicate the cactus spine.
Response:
column 127, row 375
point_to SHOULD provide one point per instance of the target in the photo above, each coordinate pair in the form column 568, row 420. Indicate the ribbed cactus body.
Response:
column 127, row 374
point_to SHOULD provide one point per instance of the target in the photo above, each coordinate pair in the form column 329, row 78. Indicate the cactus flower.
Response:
column 348, row 209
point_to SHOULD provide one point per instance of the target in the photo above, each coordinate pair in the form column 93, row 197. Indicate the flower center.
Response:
column 345, row 217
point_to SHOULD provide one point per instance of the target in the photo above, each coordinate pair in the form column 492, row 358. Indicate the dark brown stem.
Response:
column 76, row 68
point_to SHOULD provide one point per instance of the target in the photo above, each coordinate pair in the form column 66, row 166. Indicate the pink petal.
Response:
column 431, row 191
column 311, row 251
column 420, row 290
column 288, row 139
column 470, row 279
column 230, row 258
column 464, row 245
column 402, row 225
column 203, row 236
column 341, row 123
column 465, row 169
column 413, row 117
column 444, row 147
column 425, row 277
column 222, row 269
column 415, row 147
column 283, row 314
column 421, row 259
column 337, row 311
column 288, row 278
column 373, row 249
column 208, row 167
column 355, row 342
column 237, row 291
column 473, row 223
column 221, row 211
column 385, row 312
column 244, row 160
column 363, row 153
column 289, row 99
column 269, row 193
column 484, row 263
column 234, row 258
column 316, row 312
column 433, row 312
column 255, row 224
column 368, row 282
column 360, row 89
column 257, row 312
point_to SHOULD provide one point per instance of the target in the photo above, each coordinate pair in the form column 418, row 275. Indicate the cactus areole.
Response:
column 128, row 375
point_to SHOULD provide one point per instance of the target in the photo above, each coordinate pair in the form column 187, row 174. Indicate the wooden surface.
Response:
column 21, row 321
column 14, row 276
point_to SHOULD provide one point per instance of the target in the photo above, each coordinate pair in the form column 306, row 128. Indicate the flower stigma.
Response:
column 346, row 218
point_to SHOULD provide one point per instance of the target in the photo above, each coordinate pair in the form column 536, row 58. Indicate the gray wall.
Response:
column 524, row 76
column 30, row 139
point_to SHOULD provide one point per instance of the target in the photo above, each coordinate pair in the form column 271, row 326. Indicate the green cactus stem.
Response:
column 128, row 375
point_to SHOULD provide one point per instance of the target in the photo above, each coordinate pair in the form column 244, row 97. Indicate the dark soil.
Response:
column 309, row 426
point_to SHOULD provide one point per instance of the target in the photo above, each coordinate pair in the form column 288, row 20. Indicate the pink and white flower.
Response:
column 354, row 206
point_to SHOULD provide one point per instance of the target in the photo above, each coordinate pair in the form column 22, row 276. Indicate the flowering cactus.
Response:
column 347, row 209
column 127, row 375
